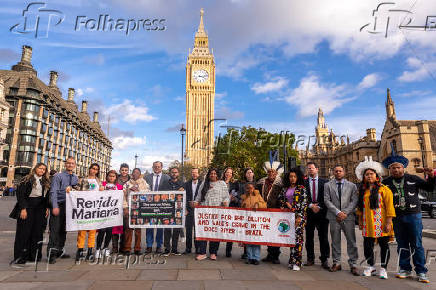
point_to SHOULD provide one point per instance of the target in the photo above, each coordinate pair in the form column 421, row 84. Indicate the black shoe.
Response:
column 159, row 250
column 276, row 261
column 187, row 252
column 255, row 262
column 228, row 254
column 244, row 256
column 52, row 260
column 325, row 265
column 89, row 255
column 18, row 263
column 138, row 253
column 309, row 263
column 148, row 250
column 65, row 256
column 247, row 261
column 166, row 253
column 78, row 254
column 176, row 253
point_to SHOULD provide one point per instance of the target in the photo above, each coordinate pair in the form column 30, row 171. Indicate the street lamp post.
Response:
column 136, row 159
column 182, row 133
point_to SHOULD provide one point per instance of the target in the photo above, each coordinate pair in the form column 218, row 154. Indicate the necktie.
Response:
column 313, row 191
column 156, row 185
column 340, row 194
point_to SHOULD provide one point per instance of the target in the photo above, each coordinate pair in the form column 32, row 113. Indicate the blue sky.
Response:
column 277, row 63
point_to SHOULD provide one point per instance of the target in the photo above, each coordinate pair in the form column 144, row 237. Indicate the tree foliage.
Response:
column 249, row 147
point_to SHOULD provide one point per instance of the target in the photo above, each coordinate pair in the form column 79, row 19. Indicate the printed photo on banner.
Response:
column 165, row 209
column 271, row 227
column 87, row 210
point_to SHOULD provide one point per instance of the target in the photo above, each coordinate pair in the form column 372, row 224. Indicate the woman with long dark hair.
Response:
column 90, row 183
column 213, row 192
column 293, row 196
column 31, row 211
column 375, row 209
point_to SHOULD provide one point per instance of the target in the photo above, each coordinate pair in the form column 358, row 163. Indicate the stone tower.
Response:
column 200, row 97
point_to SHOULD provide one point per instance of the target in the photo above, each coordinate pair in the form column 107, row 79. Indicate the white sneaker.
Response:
column 107, row 252
column 97, row 254
column 295, row 268
column 368, row 272
column 383, row 274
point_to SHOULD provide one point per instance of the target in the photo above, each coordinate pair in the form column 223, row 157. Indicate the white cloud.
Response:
column 228, row 113
column 369, row 81
column 123, row 142
column 419, row 70
column 311, row 94
column 80, row 92
column 128, row 112
column 219, row 96
column 271, row 86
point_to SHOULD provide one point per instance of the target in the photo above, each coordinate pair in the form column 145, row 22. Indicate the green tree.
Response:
column 249, row 147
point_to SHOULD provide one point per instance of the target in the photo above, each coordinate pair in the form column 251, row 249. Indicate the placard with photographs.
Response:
column 157, row 209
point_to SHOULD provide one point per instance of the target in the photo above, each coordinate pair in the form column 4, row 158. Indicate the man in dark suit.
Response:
column 316, row 217
column 157, row 182
column 192, row 190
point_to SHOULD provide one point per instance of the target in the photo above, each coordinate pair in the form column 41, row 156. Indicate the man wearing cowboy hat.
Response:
column 408, row 221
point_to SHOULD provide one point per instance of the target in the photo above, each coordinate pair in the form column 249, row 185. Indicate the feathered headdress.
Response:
column 368, row 163
column 273, row 163
column 394, row 158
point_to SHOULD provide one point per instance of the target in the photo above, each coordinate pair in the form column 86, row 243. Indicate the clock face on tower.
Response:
column 200, row 76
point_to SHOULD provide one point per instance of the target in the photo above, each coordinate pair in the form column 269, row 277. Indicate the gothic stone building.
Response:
column 44, row 127
column 414, row 139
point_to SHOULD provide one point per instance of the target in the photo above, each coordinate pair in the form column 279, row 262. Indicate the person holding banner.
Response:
column 91, row 183
column 135, row 184
column 294, row 197
column 235, row 199
column 117, row 232
column 61, row 182
column 252, row 199
column 106, row 233
column 31, row 211
column 192, row 190
column 213, row 192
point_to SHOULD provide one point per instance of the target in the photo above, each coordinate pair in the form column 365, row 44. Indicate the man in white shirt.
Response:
column 157, row 182
column 191, row 187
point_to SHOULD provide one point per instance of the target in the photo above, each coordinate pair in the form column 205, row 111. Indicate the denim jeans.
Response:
column 149, row 236
column 408, row 233
column 253, row 252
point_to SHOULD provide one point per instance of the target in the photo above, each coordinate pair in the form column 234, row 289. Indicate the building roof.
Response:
column 27, row 79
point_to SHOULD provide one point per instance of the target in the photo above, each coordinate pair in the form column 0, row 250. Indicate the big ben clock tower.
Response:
column 200, row 97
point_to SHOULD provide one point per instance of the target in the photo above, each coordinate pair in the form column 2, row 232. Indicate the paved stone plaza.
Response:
column 183, row 272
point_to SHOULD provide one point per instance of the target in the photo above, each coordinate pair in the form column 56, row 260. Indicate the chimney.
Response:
column 53, row 79
column 26, row 55
column 70, row 95
column 95, row 117
column 84, row 106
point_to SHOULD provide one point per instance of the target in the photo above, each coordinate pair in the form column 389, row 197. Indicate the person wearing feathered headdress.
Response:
column 375, row 210
column 270, row 189
column 408, row 220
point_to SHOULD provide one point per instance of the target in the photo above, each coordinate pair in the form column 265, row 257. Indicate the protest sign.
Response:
column 91, row 210
column 163, row 209
column 272, row 227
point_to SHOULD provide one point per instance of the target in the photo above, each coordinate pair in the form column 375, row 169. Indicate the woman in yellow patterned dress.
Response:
column 375, row 210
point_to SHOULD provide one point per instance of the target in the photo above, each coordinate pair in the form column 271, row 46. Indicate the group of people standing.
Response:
column 384, row 209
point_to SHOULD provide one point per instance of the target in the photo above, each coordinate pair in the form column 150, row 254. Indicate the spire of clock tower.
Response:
column 201, row 39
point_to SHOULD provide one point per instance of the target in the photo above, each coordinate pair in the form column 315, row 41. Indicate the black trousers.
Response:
column 321, row 224
column 58, row 233
column 29, row 234
column 171, row 238
column 213, row 247
column 106, row 235
column 273, row 253
column 368, row 250
column 190, row 231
